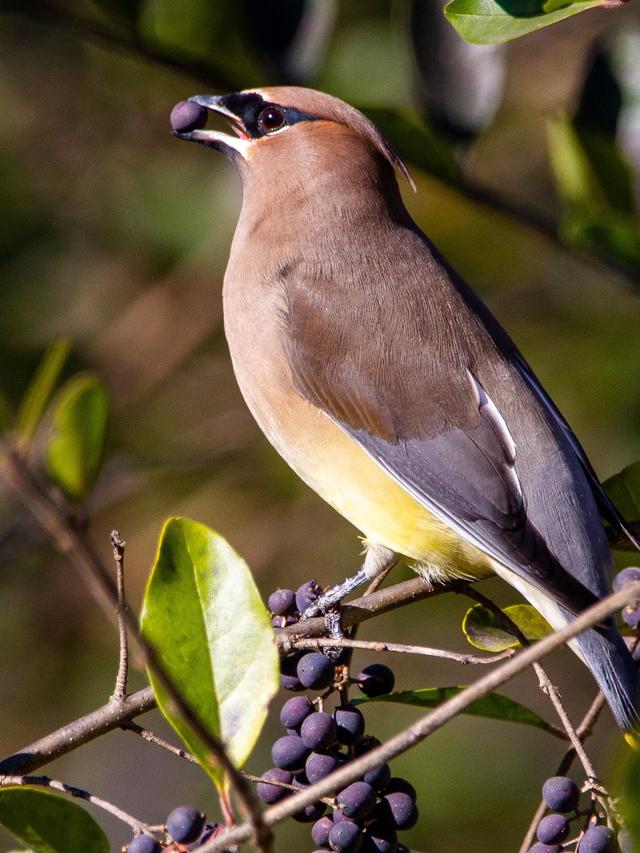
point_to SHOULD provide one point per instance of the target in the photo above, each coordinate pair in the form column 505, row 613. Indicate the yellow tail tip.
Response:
column 633, row 740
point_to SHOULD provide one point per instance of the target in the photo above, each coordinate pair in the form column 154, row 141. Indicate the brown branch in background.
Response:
column 120, row 690
column 375, row 646
column 210, row 74
column 583, row 731
column 72, row 791
column 91, row 569
column 434, row 720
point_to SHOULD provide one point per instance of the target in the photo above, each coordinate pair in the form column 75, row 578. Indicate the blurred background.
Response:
column 526, row 159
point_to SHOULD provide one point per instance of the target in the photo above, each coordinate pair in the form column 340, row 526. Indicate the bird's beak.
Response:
column 215, row 138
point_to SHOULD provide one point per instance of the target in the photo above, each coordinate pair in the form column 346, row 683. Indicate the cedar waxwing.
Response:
column 387, row 385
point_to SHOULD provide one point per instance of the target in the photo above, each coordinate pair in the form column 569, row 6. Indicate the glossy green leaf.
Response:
column 494, row 705
column 49, row 823
column 624, row 490
column 74, row 451
column 415, row 143
column 492, row 22
column 630, row 793
column 483, row 630
column 204, row 616
column 40, row 390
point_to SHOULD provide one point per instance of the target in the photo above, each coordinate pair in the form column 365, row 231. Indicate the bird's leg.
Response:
column 376, row 560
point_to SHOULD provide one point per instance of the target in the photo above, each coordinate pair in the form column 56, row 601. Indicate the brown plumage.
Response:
column 387, row 385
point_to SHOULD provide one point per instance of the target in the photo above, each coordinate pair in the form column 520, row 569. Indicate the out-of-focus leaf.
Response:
column 630, row 794
column 204, row 616
column 575, row 178
column 491, row 22
column 494, row 705
column 415, row 143
column 6, row 415
column 624, row 490
column 483, row 630
column 49, row 823
column 74, row 451
column 123, row 11
column 40, row 390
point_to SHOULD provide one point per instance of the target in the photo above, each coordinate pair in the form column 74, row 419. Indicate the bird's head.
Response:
column 288, row 132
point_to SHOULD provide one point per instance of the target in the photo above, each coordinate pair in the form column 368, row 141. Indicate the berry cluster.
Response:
column 367, row 814
column 186, row 830
column 561, row 795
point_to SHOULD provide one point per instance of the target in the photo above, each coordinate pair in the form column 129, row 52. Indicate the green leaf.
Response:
column 6, row 415
column 492, row 22
column 48, row 823
column 624, row 490
column 40, row 390
column 204, row 616
column 494, row 705
column 74, row 451
column 483, row 630
column 416, row 143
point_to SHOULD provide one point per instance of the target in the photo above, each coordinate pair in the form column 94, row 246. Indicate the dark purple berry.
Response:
column 312, row 812
column 544, row 848
column 357, row 801
column 282, row 602
column 402, row 786
column 366, row 744
column 289, row 672
column 294, row 712
column 597, row 839
column 210, row 829
column 379, row 777
column 184, row 824
column 625, row 841
column 289, row 753
column 376, row 680
column 187, row 116
column 561, row 794
column 320, row 764
column 398, row 809
column 345, row 837
column 379, row 839
column 350, row 724
column 318, row 730
column 307, row 594
column 625, row 577
column 272, row 793
column 315, row 671
column 552, row 829
column 144, row 844
column 320, row 831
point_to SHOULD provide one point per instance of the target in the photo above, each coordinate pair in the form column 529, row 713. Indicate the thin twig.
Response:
column 543, row 679
column 91, row 569
column 158, row 741
column 120, row 690
column 375, row 646
column 435, row 719
column 72, row 791
column 583, row 731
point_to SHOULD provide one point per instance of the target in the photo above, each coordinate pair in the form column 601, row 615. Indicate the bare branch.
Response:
column 435, row 719
column 120, row 690
column 145, row 734
column 375, row 646
column 72, row 791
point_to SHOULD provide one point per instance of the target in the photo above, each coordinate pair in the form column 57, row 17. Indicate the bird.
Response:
column 385, row 382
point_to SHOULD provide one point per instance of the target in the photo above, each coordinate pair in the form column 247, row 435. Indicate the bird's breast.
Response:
column 321, row 453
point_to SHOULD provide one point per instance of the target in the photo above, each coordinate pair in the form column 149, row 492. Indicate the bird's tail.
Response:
column 607, row 656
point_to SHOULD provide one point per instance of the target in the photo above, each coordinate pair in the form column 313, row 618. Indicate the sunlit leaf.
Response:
column 49, row 823
column 492, row 22
column 624, row 490
column 75, row 448
column 483, row 630
column 494, row 705
column 630, row 793
column 204, row 616
column 40, row 390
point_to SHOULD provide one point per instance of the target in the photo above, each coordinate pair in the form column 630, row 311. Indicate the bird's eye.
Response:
column 270, row 119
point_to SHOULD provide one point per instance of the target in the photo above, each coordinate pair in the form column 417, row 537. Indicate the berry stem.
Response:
column 120, row 691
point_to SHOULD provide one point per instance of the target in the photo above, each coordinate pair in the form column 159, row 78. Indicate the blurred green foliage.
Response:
column 114, row 235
